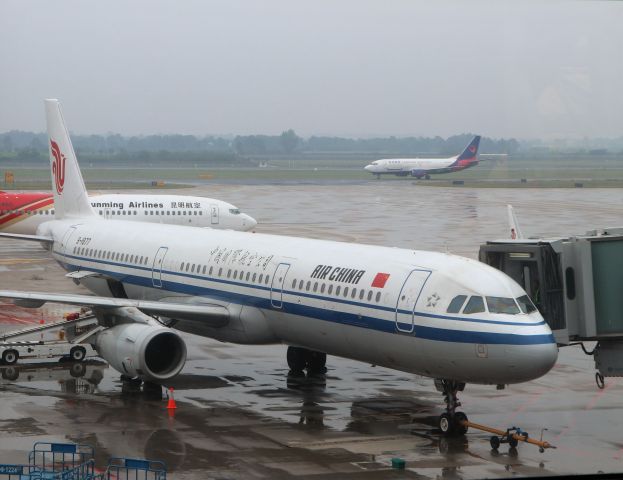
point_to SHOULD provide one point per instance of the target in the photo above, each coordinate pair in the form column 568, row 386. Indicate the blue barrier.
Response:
column 18, row 472
column 135, row 469
column 65, row 461
column 68, row 461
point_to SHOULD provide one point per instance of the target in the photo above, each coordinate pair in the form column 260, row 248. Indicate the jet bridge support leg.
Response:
column 451, row 422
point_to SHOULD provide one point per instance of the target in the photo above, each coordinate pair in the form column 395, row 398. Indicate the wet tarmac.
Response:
column 241, row 415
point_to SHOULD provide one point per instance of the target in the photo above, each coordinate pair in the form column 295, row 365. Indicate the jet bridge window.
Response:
column 474, row 305
column 526, row 304
column 502, row 305
column 456, row 304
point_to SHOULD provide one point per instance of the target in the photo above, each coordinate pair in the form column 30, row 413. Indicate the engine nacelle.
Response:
column 139, row 350
column 418, row 173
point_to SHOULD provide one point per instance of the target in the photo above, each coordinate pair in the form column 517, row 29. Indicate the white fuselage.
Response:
column 408, row 165
column 380, row 305
column 170, row 209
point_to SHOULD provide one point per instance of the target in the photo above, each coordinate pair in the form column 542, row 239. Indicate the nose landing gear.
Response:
column 451, row 422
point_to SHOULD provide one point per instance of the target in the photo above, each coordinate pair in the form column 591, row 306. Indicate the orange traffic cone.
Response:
column 171, row 403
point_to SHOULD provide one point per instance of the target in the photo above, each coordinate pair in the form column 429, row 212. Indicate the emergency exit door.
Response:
column 156, row 269
column 276, row 287
column 408, row 298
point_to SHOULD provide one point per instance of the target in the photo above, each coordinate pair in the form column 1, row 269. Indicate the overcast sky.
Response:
column 353, row 68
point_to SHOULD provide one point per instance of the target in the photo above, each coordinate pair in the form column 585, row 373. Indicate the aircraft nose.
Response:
column 529, row 362
column 369, row 167
column 248, row 222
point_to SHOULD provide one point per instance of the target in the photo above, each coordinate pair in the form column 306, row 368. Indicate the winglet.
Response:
column 70, row 194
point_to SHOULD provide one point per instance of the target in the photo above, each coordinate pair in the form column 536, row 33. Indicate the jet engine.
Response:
column 418, row 173
column 139, row 350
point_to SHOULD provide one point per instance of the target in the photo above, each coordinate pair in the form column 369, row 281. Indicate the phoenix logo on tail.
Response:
column 58, row 167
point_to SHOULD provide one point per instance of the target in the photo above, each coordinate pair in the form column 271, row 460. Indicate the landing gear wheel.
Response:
column 316, row 362
column 297, row 358
column 513, row 442
column 495, row 442
column 459, row 427
column 77, row 354
column 9, row 357
column 445, row 424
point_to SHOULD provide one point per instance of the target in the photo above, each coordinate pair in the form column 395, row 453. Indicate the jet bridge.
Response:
column 577, row 285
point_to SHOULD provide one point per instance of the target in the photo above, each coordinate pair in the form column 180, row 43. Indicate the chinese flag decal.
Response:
column 380, row 280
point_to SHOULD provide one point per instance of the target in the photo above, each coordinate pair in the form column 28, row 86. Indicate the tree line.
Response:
column 30, row 146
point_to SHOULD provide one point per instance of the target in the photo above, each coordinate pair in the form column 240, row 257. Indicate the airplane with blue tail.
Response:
column 424, row 167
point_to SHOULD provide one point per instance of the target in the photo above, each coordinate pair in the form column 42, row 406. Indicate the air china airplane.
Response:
column 24, row 212
column 424, row 167
column 433, row 314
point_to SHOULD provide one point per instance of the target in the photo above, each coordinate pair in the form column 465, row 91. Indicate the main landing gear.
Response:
column 451, row 422
column 300, row 359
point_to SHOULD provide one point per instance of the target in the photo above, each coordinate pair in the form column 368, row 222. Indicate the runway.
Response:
column 240, row 415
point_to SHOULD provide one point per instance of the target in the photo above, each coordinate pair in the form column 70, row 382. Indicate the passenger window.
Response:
column 474, row 305
column 315, row 286
column 187, row 266
column 353, row 293
column 261, row 278
column 210, row 272
column 293, row 283
column 361, row 294
column 203, row 270
column 337, row 290
column 229, row 273
column 378, row 297
column 308, row 286
column 330, row 290
column 248, row 275
column 267, row 279
column 369, row 295
column 322, row 288
column 456, row 304
column 131, row 258
column 235, row 274
column 254, row 275
column 193, row 268
column 345, row 292
column 301, row 285
column 220, row 271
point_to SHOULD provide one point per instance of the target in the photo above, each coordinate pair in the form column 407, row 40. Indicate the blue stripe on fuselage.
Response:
column 346, row 318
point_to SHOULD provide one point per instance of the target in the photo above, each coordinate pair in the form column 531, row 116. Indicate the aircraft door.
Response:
column 408, row 298
column 66, row 239
column 156, row 270
column 214, row 214
column 276, row 287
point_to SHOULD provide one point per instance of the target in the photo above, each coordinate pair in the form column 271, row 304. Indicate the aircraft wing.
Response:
column 213, row 315
column 32, row 238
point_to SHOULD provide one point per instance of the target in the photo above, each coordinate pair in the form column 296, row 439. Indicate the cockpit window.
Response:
column 502, row 305
column 526, row 304
column 234, row 211
column 456, row 304
column 474, row 305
